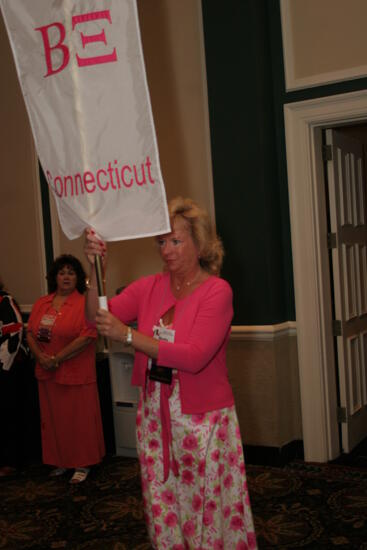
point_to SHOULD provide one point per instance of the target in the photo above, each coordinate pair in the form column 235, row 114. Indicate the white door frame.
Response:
column 304, row 121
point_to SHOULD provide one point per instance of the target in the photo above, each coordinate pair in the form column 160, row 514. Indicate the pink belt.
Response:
column 165, row 393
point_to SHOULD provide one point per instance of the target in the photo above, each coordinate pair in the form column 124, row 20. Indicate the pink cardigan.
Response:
column 202, row 322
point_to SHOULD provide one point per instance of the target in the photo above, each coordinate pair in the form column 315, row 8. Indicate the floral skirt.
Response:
column 204, row 502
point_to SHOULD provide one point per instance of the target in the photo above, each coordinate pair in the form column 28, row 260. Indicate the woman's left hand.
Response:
column 46, row 361
column 93, row 246
column 108, row 325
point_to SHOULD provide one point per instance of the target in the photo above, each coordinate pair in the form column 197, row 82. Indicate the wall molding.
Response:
column 241, row 332
column 295, row 83
column 263, row 332
column 304, row 122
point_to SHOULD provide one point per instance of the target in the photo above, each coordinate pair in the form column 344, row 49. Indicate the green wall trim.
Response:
column 46, row 216
column 250, row 188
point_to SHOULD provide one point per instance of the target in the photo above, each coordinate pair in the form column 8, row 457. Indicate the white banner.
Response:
column 81, row 69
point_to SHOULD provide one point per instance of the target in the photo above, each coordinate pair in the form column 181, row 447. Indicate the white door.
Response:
column 347, row 201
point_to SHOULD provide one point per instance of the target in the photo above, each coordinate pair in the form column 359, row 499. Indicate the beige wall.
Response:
column 324, row 40
column 174, row 54
column 21, row 246
column 265, row 381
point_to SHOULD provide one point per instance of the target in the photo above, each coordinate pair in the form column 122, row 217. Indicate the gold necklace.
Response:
column 188, row 283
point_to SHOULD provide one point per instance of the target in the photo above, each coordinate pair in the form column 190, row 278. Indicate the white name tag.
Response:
column 48, row 320
column 163, row 333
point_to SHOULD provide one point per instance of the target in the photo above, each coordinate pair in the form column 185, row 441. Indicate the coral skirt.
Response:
column 71, row 424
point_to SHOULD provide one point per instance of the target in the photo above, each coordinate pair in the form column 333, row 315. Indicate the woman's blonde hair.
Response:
column 209, row 244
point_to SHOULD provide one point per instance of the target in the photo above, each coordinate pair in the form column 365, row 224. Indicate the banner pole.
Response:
column 99, row 274
column 102, row 298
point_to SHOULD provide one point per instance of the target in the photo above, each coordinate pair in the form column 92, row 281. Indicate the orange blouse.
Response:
column 69, row 324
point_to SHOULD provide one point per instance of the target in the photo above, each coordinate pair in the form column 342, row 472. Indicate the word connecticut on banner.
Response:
column 81, row 69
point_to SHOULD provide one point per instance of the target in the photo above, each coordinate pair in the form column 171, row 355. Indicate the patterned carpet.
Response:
column 309, row 506
column 297, row 506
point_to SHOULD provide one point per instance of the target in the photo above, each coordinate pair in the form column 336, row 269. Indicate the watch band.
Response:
column 129, row 336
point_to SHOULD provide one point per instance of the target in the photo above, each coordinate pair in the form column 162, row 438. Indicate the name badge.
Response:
column 45, row 328
column 163, row 333
column 156, row 372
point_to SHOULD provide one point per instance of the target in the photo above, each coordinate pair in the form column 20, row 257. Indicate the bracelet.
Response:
column 129, row 336
column 89, row 286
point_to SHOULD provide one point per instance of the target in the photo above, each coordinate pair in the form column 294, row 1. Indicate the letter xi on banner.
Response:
column 81, row 69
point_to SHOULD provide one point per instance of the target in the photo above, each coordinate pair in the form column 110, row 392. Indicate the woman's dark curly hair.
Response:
column 74, row 263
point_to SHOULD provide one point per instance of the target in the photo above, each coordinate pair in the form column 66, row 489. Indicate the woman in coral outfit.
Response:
column 64, row 348
column 189, row 445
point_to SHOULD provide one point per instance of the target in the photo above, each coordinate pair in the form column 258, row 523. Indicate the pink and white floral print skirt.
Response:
column 206, row 505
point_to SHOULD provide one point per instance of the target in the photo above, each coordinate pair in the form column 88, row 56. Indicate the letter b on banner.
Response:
column 59, row 49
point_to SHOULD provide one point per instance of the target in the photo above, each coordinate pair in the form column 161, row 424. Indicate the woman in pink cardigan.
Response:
column 189, row 445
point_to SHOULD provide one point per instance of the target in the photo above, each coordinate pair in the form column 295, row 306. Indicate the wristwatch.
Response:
column 129, row 336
